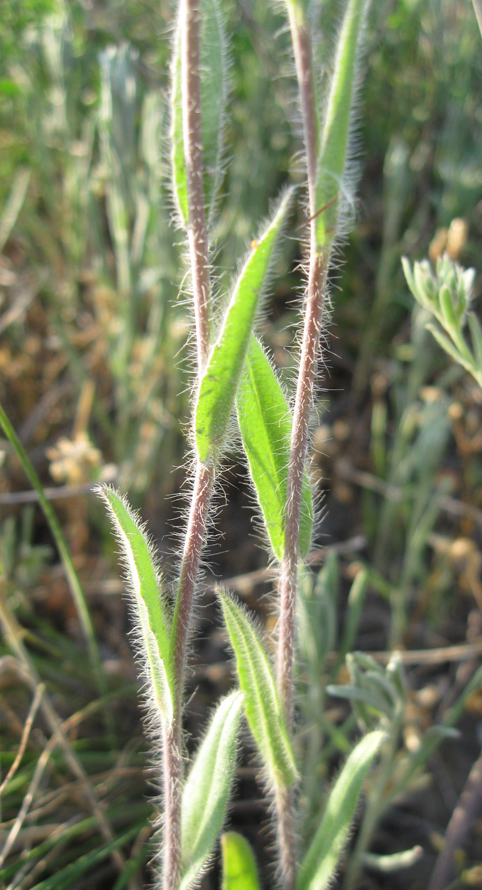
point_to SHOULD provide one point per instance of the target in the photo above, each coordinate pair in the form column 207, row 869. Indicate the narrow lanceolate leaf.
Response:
column 336, row 131
column 260, row 697
column 265, row 423
column 218, row 386
column 179, row 175
column 214, row 97
column 207, row 789
column 239, row 865
column 214, row 70
column 321, row 860
column 151, row 607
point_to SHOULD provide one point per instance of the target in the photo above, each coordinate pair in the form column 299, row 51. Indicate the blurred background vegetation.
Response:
column 95, row 360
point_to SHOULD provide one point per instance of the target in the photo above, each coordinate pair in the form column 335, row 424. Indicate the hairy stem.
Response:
column 191, row 557
column 204, row 475
column 172, row 773
column 286, row 835
column 299, row 438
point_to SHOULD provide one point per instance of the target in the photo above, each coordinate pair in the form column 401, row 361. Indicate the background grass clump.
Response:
column 95, row 362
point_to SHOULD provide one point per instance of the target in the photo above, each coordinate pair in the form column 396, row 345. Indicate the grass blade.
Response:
column 151, row 609
column 207, row 789
column 321, row 860
column 69, row 568
column 220, row 381
column 239, row 865
column 265, row 423
column 261, row 701
column 333, row 154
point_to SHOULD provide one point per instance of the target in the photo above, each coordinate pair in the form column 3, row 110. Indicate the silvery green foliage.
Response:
column 377, row 693
column 446, row 293
column 207, row 789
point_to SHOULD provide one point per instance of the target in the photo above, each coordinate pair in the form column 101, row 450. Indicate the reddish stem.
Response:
column 204, row 476
column 299, row 436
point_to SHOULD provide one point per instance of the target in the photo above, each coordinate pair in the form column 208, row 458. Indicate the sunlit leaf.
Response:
column 261, row 701
column 239, row 865
column 218, row 386
column 151, row 608
column 265, row 423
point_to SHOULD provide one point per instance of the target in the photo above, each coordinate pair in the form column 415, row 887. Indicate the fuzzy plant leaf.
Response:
column 335, row 135
column 265, row 424
column 260, row 697
column 151, row 608
column 215, row 81
column 214, row 70
column 239, row 865
column 207, row 789
column 219, row 383
column 179, row 173
column 321, row 860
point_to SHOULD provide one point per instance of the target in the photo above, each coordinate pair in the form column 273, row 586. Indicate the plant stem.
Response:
column 172, row 774
column 204, row 474
column 306, row 374
column 299, row 438
column 195, row 535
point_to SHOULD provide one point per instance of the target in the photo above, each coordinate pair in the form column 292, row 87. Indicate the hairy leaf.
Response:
column 239, row 865
column 179, row 174
column 336, row 130
column 265, row 423
column 151, row 608
column 321, row 860
column 208, row 785
column 261, row 701
column 214, row 69
column 218, row 386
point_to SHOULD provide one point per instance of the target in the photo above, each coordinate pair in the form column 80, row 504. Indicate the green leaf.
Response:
column 214, row 97
column 356, row 599
column 335, row 137
column 448, row 346
column 219, row 383
column 151, row 607
column 476, row 334
column 265, row 423
column 321, row 860
column 179, row 175
column 214, row 69
column 261, row 701
column 208, row 785
column 239, row 865
column 450, row 321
